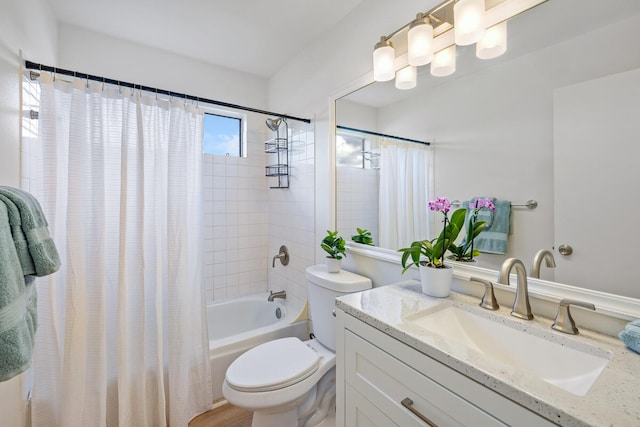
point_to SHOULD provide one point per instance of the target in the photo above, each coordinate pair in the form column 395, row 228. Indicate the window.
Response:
column 356, row 151
column 222, row 135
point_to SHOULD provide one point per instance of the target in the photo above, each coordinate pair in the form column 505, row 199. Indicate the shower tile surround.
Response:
column 292, row 218
column 235, row 224
column 246, row 222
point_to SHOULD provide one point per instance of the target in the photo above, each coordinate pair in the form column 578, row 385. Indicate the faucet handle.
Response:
column 283, row 256
column 563, row 321
column 489, row 298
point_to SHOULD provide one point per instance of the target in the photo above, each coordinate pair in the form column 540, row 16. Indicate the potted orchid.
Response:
column 428, row 255
column 465, row 251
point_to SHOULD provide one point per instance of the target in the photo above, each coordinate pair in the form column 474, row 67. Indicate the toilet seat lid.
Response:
column 273, row 365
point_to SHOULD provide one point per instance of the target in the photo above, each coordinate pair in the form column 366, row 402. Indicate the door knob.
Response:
column 565, row 250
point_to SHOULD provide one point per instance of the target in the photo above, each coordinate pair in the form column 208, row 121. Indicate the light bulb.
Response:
column 444, row 62
column 383, row 61
column 420, row 42
column 468, row 21
column 406, row 77
column 494, row 42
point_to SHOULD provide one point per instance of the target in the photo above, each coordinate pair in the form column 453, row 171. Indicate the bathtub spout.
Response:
column 274, row 295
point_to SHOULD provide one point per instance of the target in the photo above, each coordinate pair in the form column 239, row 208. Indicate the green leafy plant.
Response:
column 465, row 251
column 334, row 245
column 363, row 236
column 434, row 250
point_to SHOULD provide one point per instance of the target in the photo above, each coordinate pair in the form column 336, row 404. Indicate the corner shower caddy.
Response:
column 279, row 146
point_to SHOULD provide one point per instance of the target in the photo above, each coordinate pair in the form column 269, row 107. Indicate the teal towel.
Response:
column 19, row 239
column 494, row 238
column 631, row 335
column 42, row 250
column 18, row 316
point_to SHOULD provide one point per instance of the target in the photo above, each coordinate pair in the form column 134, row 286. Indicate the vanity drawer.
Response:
column 386, row 381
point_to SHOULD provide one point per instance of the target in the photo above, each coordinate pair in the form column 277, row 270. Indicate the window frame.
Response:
column 242, row 129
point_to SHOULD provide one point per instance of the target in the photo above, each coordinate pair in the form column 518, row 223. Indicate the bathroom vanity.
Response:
column 410, row 360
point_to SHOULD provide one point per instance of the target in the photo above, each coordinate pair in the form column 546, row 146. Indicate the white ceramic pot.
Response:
column 334, row 265
column 436, row 282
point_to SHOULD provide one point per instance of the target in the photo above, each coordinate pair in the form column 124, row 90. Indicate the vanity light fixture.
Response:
column 407, row 77
column 383, row 60
column 451, row 23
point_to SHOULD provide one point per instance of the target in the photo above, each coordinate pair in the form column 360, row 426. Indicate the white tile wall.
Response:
column 292, row 219
column 236, row 219
column 357, row 201
column 246, row 222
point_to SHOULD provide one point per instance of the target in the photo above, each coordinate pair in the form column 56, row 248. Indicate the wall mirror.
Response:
column 554, row 120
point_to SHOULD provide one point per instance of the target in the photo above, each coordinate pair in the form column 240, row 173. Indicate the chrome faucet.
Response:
column 274, row 295
column 542, row 254
column 283, row 256
column 521, row 307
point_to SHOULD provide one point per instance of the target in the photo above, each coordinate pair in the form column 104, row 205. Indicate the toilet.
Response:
column 288, row 382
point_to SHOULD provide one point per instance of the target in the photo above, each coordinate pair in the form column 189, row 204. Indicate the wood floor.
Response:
column 224, row 416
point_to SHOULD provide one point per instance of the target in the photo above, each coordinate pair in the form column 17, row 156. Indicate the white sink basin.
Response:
column 571, row 366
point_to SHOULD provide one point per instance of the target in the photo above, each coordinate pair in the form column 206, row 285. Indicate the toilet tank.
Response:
column 324, row 288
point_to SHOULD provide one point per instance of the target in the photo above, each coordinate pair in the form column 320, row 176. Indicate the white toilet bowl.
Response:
column 287, row 382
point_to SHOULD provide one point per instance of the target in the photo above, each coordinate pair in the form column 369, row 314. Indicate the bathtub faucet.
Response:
column 274, row 295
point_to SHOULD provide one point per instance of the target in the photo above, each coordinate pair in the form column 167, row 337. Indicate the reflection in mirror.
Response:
column 357, row 176
column 386, row 180
column 510, row 128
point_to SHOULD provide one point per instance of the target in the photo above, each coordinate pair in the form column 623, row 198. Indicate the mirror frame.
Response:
column 616, row 306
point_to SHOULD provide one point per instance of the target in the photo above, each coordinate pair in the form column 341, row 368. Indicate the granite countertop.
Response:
column 613, row 400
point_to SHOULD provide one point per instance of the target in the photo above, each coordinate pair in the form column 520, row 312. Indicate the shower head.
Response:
column 274, row 124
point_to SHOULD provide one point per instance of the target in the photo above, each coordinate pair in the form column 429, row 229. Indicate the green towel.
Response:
column 18, row 316
column 19, row 239
column 42, row 250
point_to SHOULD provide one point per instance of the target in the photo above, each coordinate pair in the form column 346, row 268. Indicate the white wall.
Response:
column 341, row 56
column 25, row 25
column 354, row 115
column 92, row 53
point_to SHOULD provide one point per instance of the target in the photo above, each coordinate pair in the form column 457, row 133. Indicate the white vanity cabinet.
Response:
column 384, row 382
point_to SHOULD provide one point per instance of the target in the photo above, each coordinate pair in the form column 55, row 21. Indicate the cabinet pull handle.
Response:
column 408, row 403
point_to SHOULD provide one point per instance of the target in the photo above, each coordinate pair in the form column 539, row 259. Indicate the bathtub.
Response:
column 238, row 324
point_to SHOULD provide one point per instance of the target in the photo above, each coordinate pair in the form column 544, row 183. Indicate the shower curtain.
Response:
column 406, row 185
column 122, row 339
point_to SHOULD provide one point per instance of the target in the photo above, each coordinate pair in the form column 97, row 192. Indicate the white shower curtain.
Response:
column 122, row 339
column 406, row 185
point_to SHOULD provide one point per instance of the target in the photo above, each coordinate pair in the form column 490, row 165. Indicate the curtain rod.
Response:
column 368, row 132
column 34, row 66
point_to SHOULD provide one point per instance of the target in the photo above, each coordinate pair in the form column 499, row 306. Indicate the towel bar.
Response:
column 530, row 204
